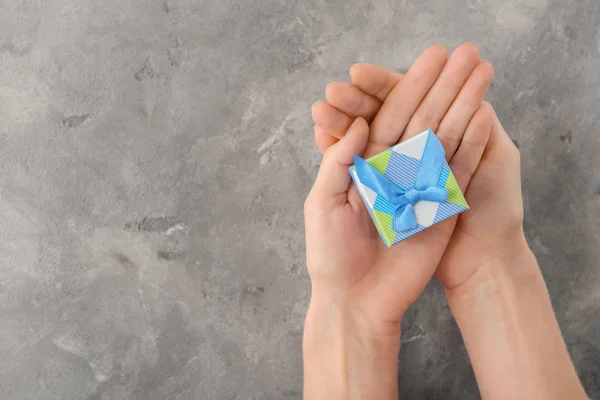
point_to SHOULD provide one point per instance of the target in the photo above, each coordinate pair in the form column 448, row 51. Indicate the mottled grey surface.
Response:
column 154, row 158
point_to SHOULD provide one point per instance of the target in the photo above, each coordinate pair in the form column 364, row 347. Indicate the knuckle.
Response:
column 420, row 77
column 356, row 103
column 469, row 103
column 450, row 136
column 427, row 117
column 462, row 171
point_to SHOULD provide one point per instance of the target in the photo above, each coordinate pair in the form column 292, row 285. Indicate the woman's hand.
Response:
column 494, row 285
column 348, row 263
column 492, row 229
column 361, row 288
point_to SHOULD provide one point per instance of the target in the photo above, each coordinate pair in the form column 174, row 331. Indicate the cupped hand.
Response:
column 492, row 228
column 348, row 262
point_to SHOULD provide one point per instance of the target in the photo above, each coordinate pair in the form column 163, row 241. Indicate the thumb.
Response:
column 333, row 178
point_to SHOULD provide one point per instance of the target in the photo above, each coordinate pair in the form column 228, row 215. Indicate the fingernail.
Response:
column 355, row 124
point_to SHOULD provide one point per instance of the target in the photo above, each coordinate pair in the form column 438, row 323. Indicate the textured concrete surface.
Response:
column 154, row 158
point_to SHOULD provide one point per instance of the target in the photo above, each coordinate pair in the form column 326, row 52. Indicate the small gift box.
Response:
column 408, row 187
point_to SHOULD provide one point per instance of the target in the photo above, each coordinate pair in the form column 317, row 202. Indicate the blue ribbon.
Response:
column 424, row 188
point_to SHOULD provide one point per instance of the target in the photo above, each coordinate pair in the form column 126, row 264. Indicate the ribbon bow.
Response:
column 424, row 188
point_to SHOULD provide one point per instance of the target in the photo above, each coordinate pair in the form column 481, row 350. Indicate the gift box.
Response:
column 408, row 188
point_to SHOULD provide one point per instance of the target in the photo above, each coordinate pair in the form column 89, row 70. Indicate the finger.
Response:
column 457, row 118
column 331, row 119
column 501, row 150
column 439, row 99
column 348, row 98
column 323, row 139
column 374, row 80
column 499, row 133
column 473, row 143
column 333, row 178
column 405, row 97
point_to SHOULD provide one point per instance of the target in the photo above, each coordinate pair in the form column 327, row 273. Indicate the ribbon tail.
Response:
column 432, row 163
column 404, row 219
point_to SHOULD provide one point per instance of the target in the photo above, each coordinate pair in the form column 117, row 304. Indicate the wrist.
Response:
column 513, row 270
column 346, row 355
column 514, row 342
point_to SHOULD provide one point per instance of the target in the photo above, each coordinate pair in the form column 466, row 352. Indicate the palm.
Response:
column 353, row 259
column 346, row 257
column 478, row 231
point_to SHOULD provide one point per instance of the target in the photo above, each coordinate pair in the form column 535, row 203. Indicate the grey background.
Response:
column 154, row 159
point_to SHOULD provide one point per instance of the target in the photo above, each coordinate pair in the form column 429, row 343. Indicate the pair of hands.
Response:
column 349, row 265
